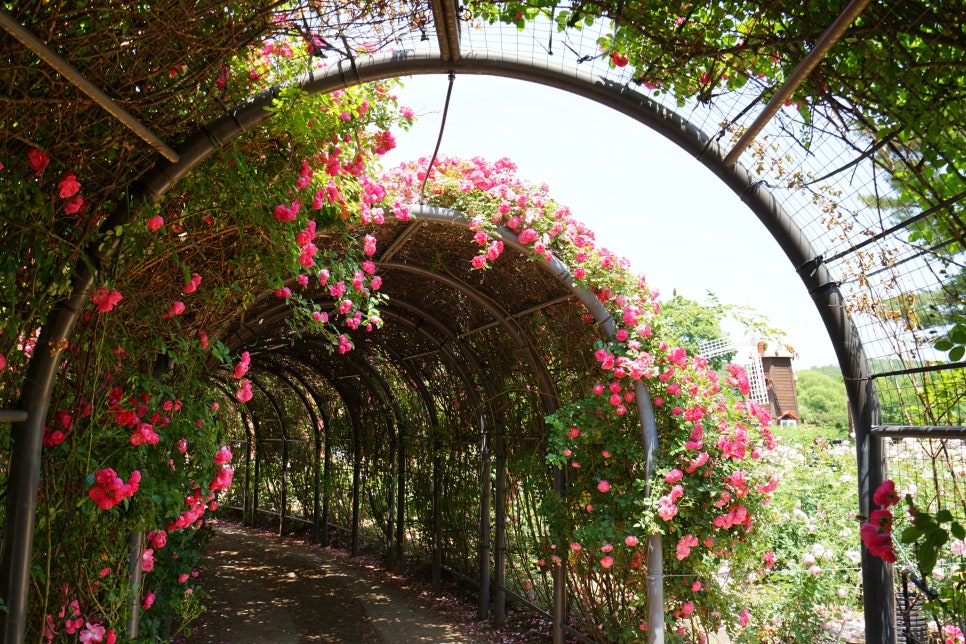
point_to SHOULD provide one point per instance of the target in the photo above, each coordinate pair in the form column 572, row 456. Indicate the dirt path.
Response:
column 264, row 590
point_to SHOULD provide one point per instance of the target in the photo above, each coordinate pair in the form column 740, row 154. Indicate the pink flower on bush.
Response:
column 666, row 509
column 37, row 159
column 144, row 433
column 222, row 480
column 369, row 245
column 74, row 205
column 953, row 634
column 631, row 541
column 607, row 562
column 147, row 560
column 528, row 236
column 244, row 393
column 155, row 222
column 158, row 538
column 684, row 545
column 93, row 633
column 243, row 364
column 738, row 378
column 68, row 186
column 192, row 284
column 886, row 494
column 603, row 486
column 673, row 476
column 105, row 298
column 176, row 309
column 619, row 59
column 109, row 489
column 222, row 456
column 148, row 600
column 769, row 560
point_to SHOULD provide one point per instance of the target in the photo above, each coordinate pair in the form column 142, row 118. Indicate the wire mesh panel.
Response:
column 932, row 473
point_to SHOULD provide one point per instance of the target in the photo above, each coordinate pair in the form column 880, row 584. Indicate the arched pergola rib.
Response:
column 241, row 410
column 283, row 425
column 353, row 413
column 320, row 445
column 649, row 434
column 485, row 436
column 547, row 390
column 277, row 373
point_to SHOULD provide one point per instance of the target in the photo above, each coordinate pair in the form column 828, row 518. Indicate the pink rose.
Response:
column 68, row 186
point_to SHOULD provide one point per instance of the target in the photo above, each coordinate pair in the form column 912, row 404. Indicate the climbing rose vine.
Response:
column 712, row 477
column 134, row 450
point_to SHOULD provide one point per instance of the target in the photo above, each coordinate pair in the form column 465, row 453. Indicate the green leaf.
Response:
column 944, row 516
column 910, row 534
column 927, row 559
column 958, row 334
column 958, row 531
column 943, row 345
column 957, row 353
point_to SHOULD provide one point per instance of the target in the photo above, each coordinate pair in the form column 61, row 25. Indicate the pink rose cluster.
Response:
column 105, row 298
column 876, row 533
column 109, row 489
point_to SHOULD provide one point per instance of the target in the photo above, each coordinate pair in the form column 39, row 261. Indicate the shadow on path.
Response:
column 266, row 591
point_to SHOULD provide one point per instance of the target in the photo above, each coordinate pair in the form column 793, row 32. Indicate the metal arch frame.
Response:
column 26, row 452
column 320, row 445
column 649, row 435
column 276, row 373
column 283, row 425
column 485, row 435
column 242, row 412
column 390, row 413
column 376, row 384
column 353, row 413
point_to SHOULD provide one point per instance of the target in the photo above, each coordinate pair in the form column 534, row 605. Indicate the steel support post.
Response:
column 559, row 610
column 135, row 548
column 400, row 499
column 499, row 558
column 283, row 506
column 356, row 476
column 484, row 609
column 437, row 516
column 326, row 484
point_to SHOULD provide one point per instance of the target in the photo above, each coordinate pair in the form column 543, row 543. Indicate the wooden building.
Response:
column 780, row 381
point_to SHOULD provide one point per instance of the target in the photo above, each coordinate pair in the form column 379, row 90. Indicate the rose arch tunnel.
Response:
column 445, row 403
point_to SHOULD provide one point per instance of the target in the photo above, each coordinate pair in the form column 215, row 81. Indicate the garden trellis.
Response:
column 858, row 179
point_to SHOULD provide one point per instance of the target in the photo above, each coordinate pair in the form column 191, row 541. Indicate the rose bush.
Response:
column 134, row 457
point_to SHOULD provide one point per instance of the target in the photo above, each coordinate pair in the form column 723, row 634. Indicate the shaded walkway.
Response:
column 266, row 591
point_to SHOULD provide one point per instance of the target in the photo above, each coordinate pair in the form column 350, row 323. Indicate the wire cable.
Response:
column 439, row 139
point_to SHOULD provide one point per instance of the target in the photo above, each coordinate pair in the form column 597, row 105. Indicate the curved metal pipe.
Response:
column 653, row 542
column 26, row 452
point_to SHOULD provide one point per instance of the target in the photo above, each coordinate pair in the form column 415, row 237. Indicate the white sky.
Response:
column 646, row 199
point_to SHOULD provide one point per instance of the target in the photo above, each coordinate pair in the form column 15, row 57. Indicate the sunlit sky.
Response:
column 646, row 199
